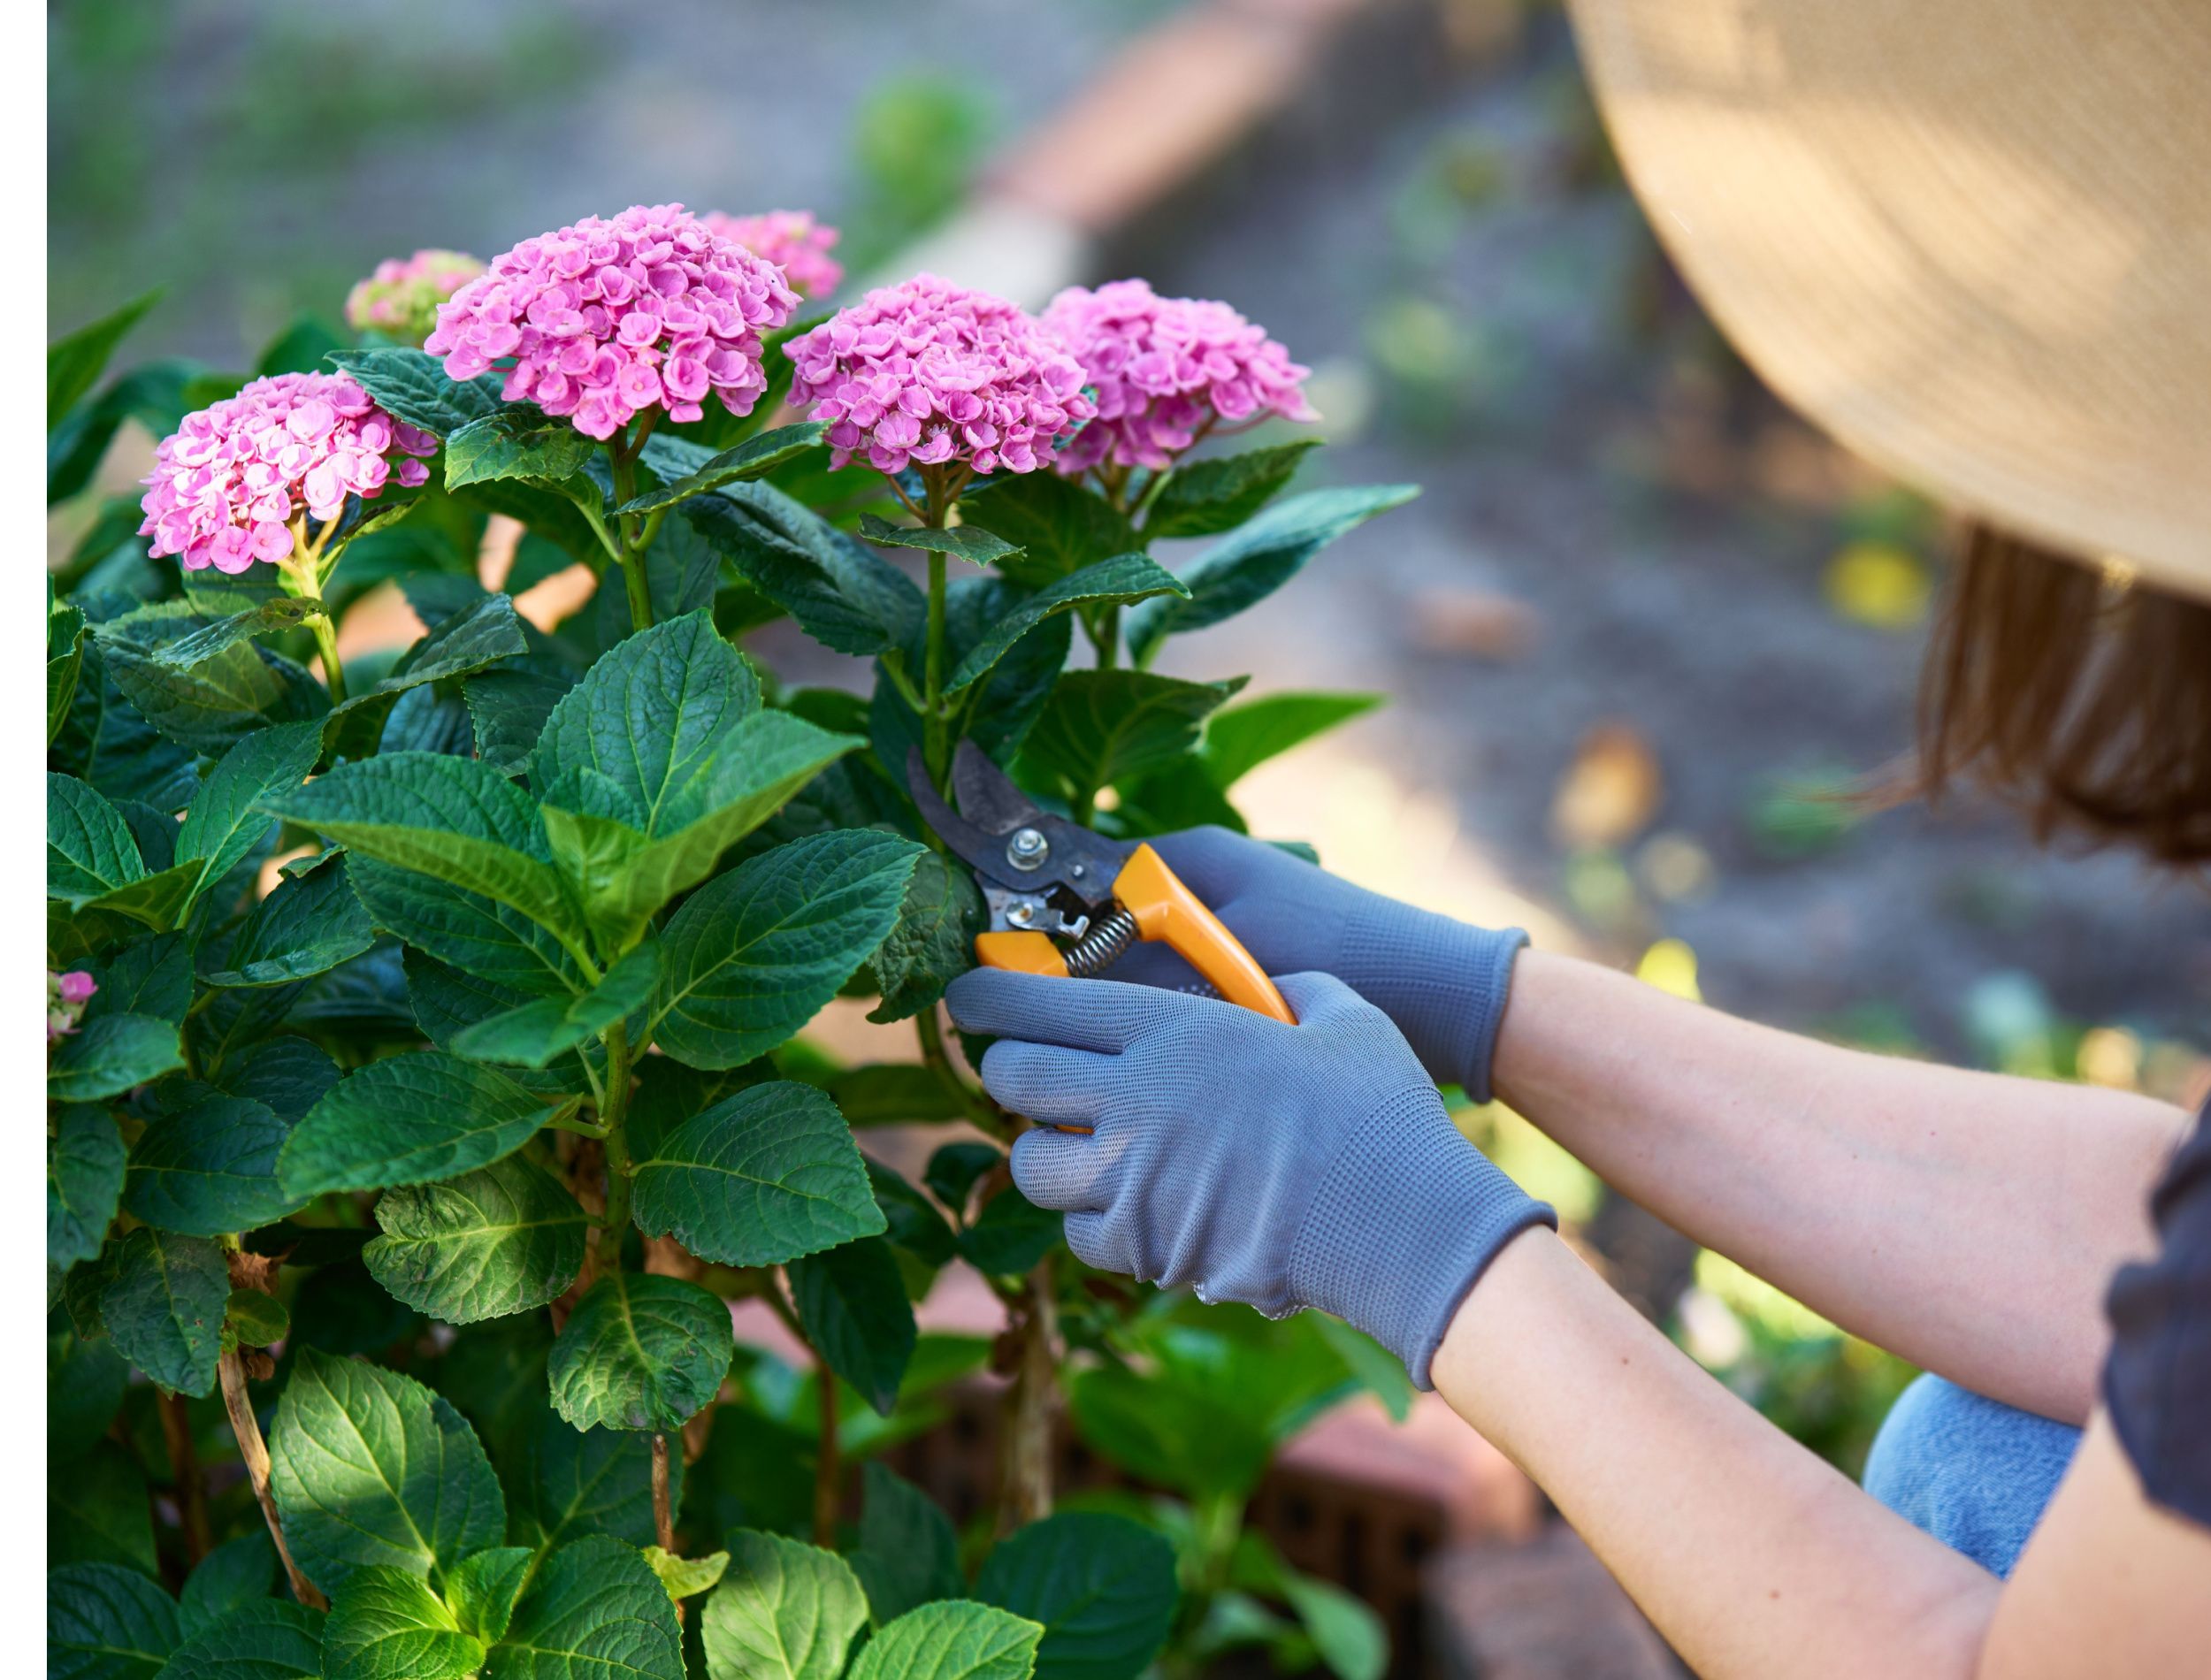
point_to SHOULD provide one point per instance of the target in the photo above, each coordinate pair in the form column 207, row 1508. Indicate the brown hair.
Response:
column 2079, row 697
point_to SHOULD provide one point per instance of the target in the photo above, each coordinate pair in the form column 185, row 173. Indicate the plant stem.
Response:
column 184, row 1466
column 325, row 635
column 255, row 1451
column 980, row 1110
column 828, row 1470
column 628, row 549
column 1025, row 1452
column 663, row 1515
column 935, row 747
column 1106, row 638
column 606, row 1251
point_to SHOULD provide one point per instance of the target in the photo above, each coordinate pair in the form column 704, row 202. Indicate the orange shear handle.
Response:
column 1164, row 909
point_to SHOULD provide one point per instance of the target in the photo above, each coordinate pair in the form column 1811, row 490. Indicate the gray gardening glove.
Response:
column 1442, row 982
column 1283, row 1166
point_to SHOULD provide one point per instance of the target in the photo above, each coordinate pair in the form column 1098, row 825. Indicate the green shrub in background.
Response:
column 425, row 1076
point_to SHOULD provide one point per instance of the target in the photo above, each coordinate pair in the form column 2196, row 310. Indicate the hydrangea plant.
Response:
column 427, row 1061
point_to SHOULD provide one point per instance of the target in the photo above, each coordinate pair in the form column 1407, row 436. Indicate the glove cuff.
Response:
column 1444, row 982
column 1405, row 1220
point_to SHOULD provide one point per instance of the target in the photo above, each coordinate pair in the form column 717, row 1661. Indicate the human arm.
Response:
column 1753, row 1556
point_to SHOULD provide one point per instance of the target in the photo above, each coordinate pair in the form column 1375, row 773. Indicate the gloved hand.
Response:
column 1283, row 1166
column 1442, row 981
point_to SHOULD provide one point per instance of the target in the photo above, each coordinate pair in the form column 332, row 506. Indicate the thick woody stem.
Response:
column 663, row 1512
column 828, row 1470
column 255, row 1451
column 184, row 1464
column 1025, row 1452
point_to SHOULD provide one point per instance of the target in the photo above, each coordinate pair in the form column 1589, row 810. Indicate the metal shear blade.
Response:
column 1008, row 842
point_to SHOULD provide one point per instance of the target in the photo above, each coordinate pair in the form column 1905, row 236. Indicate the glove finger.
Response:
column 1059, row 1170
column 1314, row 995
column 1082, row 1014
column 1046, row 1083
column 1093, row 1238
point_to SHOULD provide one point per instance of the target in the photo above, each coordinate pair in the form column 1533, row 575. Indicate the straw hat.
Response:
column 1971, row 238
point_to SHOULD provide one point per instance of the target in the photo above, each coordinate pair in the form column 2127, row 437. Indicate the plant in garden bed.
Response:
column 445, row 1012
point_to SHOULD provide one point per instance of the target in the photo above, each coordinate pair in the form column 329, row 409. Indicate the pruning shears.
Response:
column 1045, row 879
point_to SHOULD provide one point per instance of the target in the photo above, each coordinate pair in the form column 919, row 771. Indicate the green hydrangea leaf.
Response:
column 1257, row 558
column 408, row 1120
column 210, row 707
column 1120, row 581
column 685, row 1577
column 255, row 1319
column 952, row 1641
column 89, row 850
column 483, row 1589
column 843, row 593
column 1101, row 728
column 588, row 1481
column 1061, row 525
column 907, row 1554
column 271, row 1641
column 754, row 458
column 289, row 1073
column 163, row 1302
column 761, row 1178
column 498, row 1240
column 596, row 1611
column 1203, row 498
column 495, row 946
column 75, row 361
column 386, row 1623
column 84, row 1388
column 534, row 1033
column 852, row 1303
column 234, row 1574
column 152, row 977
column 932, row 942
column 411, row 385
column 84, row 1183
column 1103, row 1587
column 784, row 1611
column 98, row 1513
column 970, row 543
column 752, row 956
column 306, row 927
column 1011, row 1234
column 105, row 1622
column 1239, row 738
column 65, row 660
column 517, row 442
column 640, row 1352
column 209, row 1169
column 370, row 1468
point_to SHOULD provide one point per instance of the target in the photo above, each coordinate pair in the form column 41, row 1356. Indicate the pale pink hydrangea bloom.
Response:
column 67, row 995
column 600, row 321
column 1165, row 369
column 927, row 371
column 792, row 240
column 226, row 485
column 401, row 297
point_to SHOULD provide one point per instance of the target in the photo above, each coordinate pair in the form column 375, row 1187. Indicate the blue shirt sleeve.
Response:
column 2157, row 1380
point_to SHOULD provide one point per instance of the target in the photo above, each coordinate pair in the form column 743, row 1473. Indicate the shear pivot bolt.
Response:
column 1028, row 849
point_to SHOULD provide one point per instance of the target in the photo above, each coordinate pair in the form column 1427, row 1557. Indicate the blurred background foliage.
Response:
column 1641, row 632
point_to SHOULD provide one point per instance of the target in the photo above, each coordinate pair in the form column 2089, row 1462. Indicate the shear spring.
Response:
column 1114, row 931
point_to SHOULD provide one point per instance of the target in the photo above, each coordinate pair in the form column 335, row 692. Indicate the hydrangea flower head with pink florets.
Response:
column 401, row 297
column 928, row 372
column 792, row 240
column 66, row 995
column 227, row 484
column 1165, row 369
column 605, row 319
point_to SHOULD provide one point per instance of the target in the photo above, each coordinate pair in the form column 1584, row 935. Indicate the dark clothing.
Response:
column 2157, row 1381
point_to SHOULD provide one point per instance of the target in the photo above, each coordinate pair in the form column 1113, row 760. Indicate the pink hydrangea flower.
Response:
column 1165, row 369
column 604, row 319
column 929, row 372
column 792, row 240
column 67, row 995
column 401, row 297
column 227, row 484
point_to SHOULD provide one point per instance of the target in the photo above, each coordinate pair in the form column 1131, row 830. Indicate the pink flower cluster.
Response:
column 226, row 485
column 401, row 297
column 1165, row 369
column 928, row 372
column 606, row 318
column 792, row 240
column 67, row 995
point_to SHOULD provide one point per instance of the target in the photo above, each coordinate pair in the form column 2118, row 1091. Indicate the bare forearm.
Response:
column 1967, row 1221
column 1752, row 1556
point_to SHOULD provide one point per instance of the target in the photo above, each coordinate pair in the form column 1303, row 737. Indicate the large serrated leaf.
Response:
column 1238, row 738
column 852, row 1301
column 483, row 1589
column 494, row 944
column 784, row 1611
column 640, row 1352
column 932, row 944
column 1104, row 1588
column 761, row 1176
column 1120, row 581
column 498, row 1240
column 278, row 613
column 952, row 1641
column 596, row 1611
column 225, row 821
column 751, row 956
column 842, row 593
column 235, row 1574
column 84, row 1183
column 586, row 1481
column 210, row 1170
column 411, row 385
column 453, row 819
column 369, row 1467
column 306, row 927
column 534, row 1033
column 106, row 1623
column 1061, row 525
column 1257, row 558
column 754, row 458
column 970, row 543
column 110, row 1055
column 99, row 1512
column 1101, row 728
column 89, row 850
column 907, row 1554
column 271, row 1641
column 64, row 661
column 386, row 1623
column 408, row 1120
column 517, row 442
column 163, row 1302
column 210, row 707
column 1202, row 498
